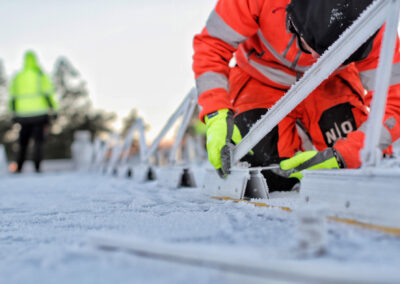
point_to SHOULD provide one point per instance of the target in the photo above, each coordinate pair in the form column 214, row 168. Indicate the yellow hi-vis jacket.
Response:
column 31, row 91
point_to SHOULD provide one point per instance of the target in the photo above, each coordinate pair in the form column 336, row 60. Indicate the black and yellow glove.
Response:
column 310, row 160
column 221, row 132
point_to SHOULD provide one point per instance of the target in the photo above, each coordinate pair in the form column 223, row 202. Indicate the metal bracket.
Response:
column 257, row 186
column 175, row 176
column 239, row 184
column 124, row 171
column 142, row 173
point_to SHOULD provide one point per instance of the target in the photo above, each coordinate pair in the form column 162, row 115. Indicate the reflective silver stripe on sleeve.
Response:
column 211, row 80
column 296, row 60
column 291, row 41
column 274, row 74
column 217, row 28
column 368, row 77
column 279, row 57
column 385, row 139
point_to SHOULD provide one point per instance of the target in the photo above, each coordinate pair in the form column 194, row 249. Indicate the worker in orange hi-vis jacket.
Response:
column 274, row 42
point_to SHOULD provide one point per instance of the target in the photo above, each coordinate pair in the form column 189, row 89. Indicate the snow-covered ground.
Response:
column 47, row 222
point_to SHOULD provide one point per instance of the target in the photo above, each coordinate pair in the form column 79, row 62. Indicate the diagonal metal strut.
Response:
column 364, row 27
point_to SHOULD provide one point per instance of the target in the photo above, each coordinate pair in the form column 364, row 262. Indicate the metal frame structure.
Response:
column 371, row 194
column 368, row 197
column 176, row 174
column 367, row 24
column 172, row 174
column 101, row 151
column 185, row 109
column 119, row 165
column 343, row 192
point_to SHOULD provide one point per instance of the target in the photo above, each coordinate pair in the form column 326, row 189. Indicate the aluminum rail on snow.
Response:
column 242, row 263
column 364, row 27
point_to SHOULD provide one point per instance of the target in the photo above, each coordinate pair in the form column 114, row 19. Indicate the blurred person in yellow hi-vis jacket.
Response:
column 32, row 103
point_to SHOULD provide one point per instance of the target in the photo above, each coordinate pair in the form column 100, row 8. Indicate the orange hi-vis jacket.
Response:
column 254, row 31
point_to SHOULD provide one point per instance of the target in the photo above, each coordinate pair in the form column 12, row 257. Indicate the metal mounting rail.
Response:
column 364, row 27
column 245, row 265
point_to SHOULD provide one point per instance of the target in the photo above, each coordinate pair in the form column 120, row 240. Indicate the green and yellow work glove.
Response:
column 310, row 160
column 221, row 132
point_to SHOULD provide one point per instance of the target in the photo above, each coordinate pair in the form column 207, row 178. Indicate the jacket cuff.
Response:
column 213, row 100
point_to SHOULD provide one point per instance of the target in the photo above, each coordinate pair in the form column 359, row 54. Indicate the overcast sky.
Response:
column 132, row 53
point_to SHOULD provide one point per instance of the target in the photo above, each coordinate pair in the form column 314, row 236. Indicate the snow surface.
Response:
column 46, row 223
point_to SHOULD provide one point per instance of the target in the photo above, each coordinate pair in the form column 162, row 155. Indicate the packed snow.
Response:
column 48, row 220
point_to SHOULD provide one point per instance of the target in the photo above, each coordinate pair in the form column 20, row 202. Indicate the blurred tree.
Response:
column 129, row 120
column 76, row 111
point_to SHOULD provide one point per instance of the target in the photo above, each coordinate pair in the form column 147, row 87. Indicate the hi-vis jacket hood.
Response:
column 30, row 62
column 320, row 23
